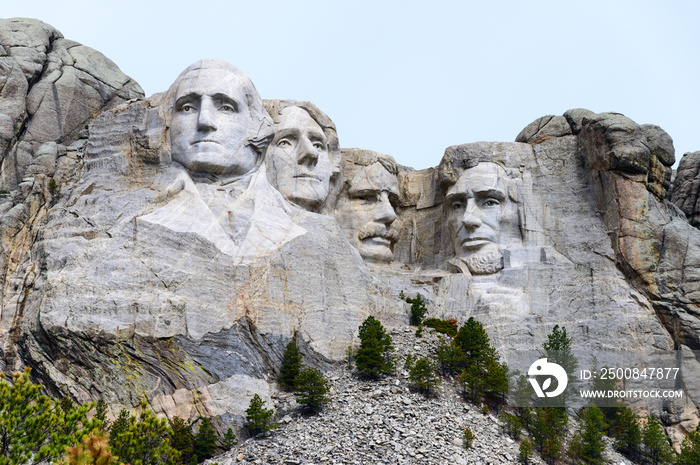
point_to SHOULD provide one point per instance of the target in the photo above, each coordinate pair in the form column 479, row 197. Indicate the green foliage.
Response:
column 422, row 375
column 291, row 365
column 558, row 349
column 374, row 357
column 146, row 441
column 468, row 438
column 312, row 388
column 485, row 409
column 448, row 327
column 593, row 426
column 350, row 356
column 419, row 331
column 483, row 376
column 35, row 428
column 628, row 435
column 258, row 418
column 525, row 452
column 205, row 441
column 451, row 359
column 410, row 361
column 120, row 425
column 511, row 424
column 229, row 440
column 182, row 439
column 101, row 413
column 656, row 447
column 547, row 425
column 418, row 309
column 690, row 449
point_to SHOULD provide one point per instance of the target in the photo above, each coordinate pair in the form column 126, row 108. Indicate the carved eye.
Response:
column 367, row 198
column 187, row 107
column 284, row 143
column 457, row 205
column 491, row 203
column 227, row 107
column 319, row 145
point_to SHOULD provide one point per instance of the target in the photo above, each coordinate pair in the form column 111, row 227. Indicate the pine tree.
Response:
column 182, row 439
column 418, row 309
column 656, row 447
column 258, row 418
column 374, row 357
column 146, row 441
column 291, row 364
column 422, row 375
column 451, row 359
column 592, row 445
column 93, row 450
column 229, row 440
column 474, row 341
column 525, row 452
column 690, row 449
column 205, row 440
column 34, row 428
column 312, row 388
column 558, row 350
column 628, row 435
column 468, row 438
column 120, row 425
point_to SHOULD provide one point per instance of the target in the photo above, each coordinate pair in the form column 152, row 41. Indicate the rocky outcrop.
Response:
column 132, row 268
column 686, row 187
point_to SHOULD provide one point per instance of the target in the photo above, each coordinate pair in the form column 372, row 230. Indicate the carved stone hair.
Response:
column 262, row 127
column 275, row 107
column 353, row 158
column 459, row 158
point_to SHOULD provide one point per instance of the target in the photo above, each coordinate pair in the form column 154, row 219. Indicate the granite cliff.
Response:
column 139, row 258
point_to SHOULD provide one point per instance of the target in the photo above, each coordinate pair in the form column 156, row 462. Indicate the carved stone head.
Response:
column 366, row 204
column 218, row 124
column 482, row 211
column 304, row 154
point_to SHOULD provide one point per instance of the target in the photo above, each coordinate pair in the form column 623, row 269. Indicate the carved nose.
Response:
column 206, row 120
column 384, row 213
column 308, row 154
column 470, row 219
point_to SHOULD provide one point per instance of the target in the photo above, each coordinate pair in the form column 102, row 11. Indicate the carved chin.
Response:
column 485, row 262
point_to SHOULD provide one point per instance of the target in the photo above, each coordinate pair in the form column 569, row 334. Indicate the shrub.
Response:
column 468, row 438
column 511, row 424
column 450, row 357
column 448, row 327
column 258, row 418
column 312, row 388
column 374, row 357
column 93, row 450
column 628, row 435
column 205, row 441
column 291, row 365
column 594, row 425
column 422, row 375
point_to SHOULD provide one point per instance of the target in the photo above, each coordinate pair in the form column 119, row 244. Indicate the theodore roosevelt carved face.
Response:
column 218, row 124
column 480, row 211
column 366, row 206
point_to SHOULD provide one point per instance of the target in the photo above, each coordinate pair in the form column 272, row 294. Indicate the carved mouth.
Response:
column 202, row 141
column 475, row 242
column 378, row 240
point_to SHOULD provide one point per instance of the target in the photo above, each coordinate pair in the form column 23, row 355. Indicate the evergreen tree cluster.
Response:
column 308, row 383
column 374, row 357
column 35, row 428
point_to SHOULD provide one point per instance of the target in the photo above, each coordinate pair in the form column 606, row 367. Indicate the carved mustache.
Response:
column 378, row 230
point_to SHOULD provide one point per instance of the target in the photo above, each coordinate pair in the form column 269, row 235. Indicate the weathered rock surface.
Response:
column 686, row 187
column 119, row 280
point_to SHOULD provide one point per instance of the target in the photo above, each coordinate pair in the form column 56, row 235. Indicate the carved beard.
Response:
column 487, row 262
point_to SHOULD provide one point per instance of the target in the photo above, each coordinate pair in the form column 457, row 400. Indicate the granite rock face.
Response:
column 139, row 258
column 686, row 187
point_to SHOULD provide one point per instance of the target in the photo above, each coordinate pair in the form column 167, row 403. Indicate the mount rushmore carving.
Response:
column 174, row 247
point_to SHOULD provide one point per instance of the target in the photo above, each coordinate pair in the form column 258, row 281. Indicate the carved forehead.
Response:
column 297, row 118
column 374, row 178
column 484, row 177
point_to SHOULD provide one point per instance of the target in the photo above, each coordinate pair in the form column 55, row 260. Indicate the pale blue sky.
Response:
column 409, row 79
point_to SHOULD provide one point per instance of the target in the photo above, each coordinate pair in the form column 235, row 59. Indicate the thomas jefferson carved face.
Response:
column 298, row 163
column 211, row 122
column 479, row 212
column 366, row 212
